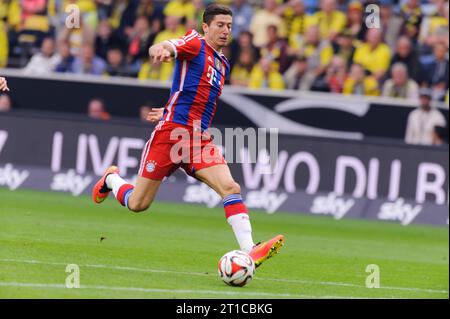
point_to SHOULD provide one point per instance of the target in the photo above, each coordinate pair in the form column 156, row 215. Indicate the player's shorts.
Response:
column 174, row 146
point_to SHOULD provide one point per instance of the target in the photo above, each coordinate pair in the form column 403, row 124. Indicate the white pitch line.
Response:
column 298, row 281
column 155, row 290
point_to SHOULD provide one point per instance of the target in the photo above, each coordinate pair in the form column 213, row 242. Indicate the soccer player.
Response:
column 3, row 85
column 200, row 73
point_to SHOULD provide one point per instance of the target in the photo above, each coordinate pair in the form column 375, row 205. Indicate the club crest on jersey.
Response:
column 218, row 64
column 151, row 166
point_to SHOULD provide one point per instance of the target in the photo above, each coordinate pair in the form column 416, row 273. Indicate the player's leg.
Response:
column 155, row 165
column 136, row 198
column 220, row 179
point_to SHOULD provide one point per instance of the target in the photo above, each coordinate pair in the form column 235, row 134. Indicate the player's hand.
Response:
column 155, row 115
column 161, row 54
column 3, row 84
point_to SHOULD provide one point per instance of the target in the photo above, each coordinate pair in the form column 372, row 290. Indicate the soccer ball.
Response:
column 236, row 268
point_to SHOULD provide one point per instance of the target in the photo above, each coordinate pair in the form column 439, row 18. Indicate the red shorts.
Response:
column 174, row 146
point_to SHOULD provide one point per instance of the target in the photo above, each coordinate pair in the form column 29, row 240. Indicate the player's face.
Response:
column 219, row 30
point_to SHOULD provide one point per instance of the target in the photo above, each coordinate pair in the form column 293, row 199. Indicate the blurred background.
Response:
column 306, row 45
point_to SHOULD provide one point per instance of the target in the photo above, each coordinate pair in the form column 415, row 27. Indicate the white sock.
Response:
column 242, row 230
column 114, row 182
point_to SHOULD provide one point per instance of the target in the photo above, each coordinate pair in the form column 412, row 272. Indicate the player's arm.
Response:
column 3, row 84
column 162, row 52
column 184, row 48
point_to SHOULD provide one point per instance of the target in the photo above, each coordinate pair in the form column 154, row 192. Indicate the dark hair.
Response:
column 213, row 10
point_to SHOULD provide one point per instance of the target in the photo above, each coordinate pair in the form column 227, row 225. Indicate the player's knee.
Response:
column 231, row 188
column 138, row 207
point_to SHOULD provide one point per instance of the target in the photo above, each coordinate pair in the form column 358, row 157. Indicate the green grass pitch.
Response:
column 172, row 252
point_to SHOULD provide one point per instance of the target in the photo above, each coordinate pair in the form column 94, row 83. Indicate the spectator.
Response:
column 104, row 8
column 65, row 65
column 196, row 23
column 242, row 15
column 149, row 9
column 437, row 72
column 116, row 64
column 294, row 76
column 34, row 22
column 172, row 29
column 355, row 21
column 405, row 53
column 5, row 103
column 400, row 85
column 266, row 75
column 139, row 40
column 125, row 12
column 374, row 55
column 241, row 71
column 262, row 19
column 297, row 31
column 336, row 74
column 329, row 20
column 276, row 49
column 182, row 9
column 319, row 54
column 343, row 46
column 391, row 23
column 421, row 121
column 432, row 24
column 106, row 39
column 191, row 25
column 87, row 62
column 78, row 36
column 358, row 83
column 243, row 43
column 297, row 20
column 412, row 16
column 45, row 61
column 97, row 110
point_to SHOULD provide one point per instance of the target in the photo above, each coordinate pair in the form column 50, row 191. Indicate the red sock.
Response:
column 123, row 193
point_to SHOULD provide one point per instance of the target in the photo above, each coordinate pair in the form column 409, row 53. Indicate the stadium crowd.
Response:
column 318, row 45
